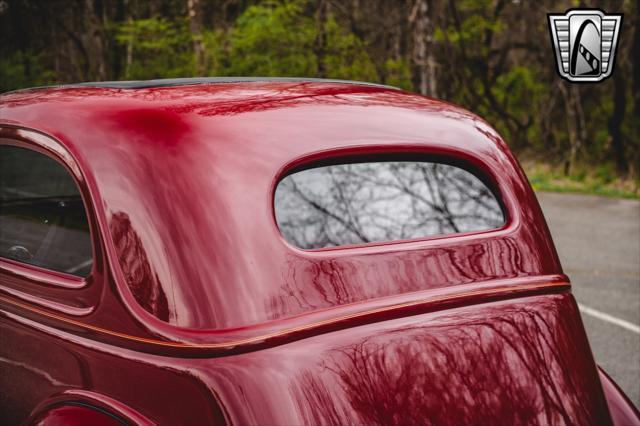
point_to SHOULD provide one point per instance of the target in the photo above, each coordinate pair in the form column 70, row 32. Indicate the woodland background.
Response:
column 494, row 57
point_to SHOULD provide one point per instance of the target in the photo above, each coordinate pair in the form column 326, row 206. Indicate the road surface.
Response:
column 598, row 241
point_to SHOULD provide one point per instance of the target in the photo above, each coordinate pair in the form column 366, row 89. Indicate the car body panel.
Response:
column 520, row 361
column 168, row 165
column 621, row 408
column 198, row 311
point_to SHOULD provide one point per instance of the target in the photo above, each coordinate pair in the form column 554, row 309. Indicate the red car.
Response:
column 285, row 251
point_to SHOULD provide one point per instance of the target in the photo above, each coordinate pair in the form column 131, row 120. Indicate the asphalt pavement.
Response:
column 598, row 241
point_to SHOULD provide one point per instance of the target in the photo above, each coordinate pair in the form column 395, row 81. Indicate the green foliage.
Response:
column 272, row 39
column 23, row 69
column 491, row 57
column 278, row 39
column 216, row 52
column 601, row 181
column 471, row 30
column 158, row 48
column 518, row 89
column 398, row 73
column 474, row 25
column 347, row 57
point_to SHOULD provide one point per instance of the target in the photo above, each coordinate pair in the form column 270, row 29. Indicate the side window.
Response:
column 382, row 201
column 42, row 218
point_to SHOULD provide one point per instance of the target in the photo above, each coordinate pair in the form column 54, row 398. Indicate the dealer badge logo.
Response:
column 585, row 42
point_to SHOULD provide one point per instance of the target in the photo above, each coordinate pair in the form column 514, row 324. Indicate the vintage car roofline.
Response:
column 171, row 82
column 230, row 144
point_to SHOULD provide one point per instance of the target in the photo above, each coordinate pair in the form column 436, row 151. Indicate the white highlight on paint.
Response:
column 609, row 318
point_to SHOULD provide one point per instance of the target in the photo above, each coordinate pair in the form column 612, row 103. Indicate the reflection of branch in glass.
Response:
column 382, row 201
column 326, row 214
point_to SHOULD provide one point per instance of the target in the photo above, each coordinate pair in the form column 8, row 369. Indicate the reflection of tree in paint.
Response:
column 134, row 263
column 509, row 366
column 384, row 201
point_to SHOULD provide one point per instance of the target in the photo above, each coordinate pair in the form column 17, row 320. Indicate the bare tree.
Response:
column 575, row 123
column 615, row 122
column 423, row 56
column 320, row 43
column 364, row 202
column 95, row 43
column 194, row 10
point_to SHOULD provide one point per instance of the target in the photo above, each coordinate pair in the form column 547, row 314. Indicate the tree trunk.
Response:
column 127, row 13
column 571, row 97
column 95, row 43
column 636, row 64
column 423, row 56
column 194, row 9
column 320, row 43
column 615, row 122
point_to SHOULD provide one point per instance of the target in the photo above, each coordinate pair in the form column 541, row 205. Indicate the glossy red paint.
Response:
column 622, row 410
column 197, row 309
column 74, row 415
column 183, row 178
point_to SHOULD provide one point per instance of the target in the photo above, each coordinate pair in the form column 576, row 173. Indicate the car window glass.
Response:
column 382, row 201
column 42, row 216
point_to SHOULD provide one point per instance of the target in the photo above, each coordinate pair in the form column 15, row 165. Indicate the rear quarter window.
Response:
column 379, row 201
column 42, row 216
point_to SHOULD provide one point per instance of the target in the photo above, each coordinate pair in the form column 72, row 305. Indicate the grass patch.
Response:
column 599, row 181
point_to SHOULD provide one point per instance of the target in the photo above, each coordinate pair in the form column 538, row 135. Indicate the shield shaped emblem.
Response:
column 585, row 42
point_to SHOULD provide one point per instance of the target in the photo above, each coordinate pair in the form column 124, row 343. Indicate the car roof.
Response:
column 170, row 82
column 182, row 173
